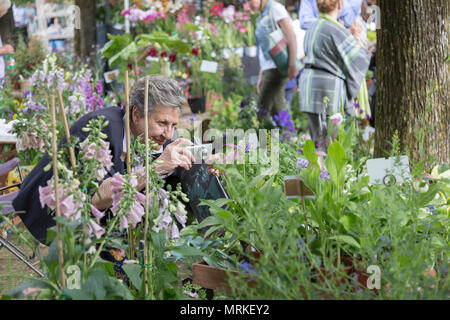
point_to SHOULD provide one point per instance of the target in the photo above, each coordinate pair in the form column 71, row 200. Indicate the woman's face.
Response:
column 255, row 4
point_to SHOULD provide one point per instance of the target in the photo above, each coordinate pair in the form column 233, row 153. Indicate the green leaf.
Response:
column 309, row 151
column 218, row 204
column 426, row 197
column 133, row 271
column 123, row 55
column 346, row 239
column 187, row 251
column 207, row 222
column 348, row 221
column 337, row 153
column 224, row 214
column 115, row 45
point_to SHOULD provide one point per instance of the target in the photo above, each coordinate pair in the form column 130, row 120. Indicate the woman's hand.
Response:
column 356, row 29
column 292, row 72
column 7, row 49
column 258, row 85
column 286, row 26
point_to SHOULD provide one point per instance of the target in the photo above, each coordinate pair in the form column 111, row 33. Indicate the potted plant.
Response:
column 251, row 50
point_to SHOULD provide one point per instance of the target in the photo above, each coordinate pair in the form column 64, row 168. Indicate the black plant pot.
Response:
column 197, row 104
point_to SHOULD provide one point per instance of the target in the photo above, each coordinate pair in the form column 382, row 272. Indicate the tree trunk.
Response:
column 413, row 79
column 85, row 38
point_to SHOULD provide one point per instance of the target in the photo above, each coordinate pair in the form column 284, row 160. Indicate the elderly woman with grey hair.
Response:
column 4, row 49
column 165, row 100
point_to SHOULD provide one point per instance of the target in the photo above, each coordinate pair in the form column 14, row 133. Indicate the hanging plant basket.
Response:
column 197, row 104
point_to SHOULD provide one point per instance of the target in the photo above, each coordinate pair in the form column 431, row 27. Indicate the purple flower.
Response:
column 192, row 118
column 33, row 79
column 302, row 163
column 60, row 80
column 247, row 267
column 324, row 174
column 50, row 77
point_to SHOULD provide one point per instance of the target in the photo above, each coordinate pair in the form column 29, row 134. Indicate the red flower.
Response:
column 130, row 66
column 153, row 52
column 216, row 9
column 163, row 54
column 173, row 57
column 194, row 51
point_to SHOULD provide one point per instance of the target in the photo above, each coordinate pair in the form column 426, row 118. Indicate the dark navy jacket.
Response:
column 36, row 218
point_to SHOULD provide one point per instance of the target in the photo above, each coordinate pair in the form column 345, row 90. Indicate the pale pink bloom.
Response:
column 47, row 197
column 126, row 261
column 96, row 229
column 97, row 213
column 167, row 219
column 100, row 173
column 30, row 291
column 104, row 144
column 191, row 294
column 68, row 208
column 141, row 198
column 133, row 181
column 228, row 14
column 123, row 222
column 247, row 6
column 175, row 232
column 181, row 214
column 89, row 151
column 306, row 136
column 337, row 119
column 117, row 181
column 92, row 250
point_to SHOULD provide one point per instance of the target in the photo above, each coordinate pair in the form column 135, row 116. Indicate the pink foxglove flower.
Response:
column 175, row 232
column 97, row 213
column 47, row 197
column 96, row 229
column 68, row 208
column 123, row 223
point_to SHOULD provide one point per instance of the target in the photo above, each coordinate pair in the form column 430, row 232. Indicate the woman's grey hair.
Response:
column 4, row 6
column 161, row 91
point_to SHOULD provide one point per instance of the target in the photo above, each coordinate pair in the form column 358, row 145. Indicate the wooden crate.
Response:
column 209, row 277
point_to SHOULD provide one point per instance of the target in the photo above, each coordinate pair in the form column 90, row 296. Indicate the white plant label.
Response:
column 209, row 66
column 111, row 76
column 388, row 171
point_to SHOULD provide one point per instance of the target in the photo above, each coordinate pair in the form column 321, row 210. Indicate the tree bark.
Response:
column 85, row 38
column 413, row 79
